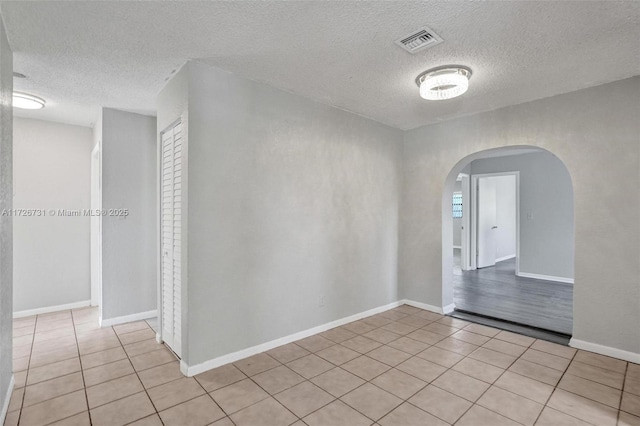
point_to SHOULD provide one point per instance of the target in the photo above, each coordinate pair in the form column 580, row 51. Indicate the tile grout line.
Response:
column 81, row 374
column 26, row 378
column 474, row 403
column 82, row 371
column 271, row 395
column 209, row 395
column 138, row 377
column 556, row 387
column 365, row 354
column 361, row 354
column 593, row 381
column 449, row 368
column 596, row 382
column 159, row 365
column 84, row 384
column 545, row 405
column 504, row 370
column 624, row 380
column 412, row 356
column 44, row 382
column 394, row 367
column 283, row 390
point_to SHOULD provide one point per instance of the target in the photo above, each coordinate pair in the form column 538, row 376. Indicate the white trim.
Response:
column 128, row 318
column 545, row 277
column 184, row 242
column 158, row 235
column 7, row 399
column 49, row 309
column 605, row 350
column 244, row 353
column 448, row 309
column 473, row 246
column 184, row 368
column 465, row 262
column 181, row 347
column 424, row 306
column 457, row 247
column 510, row 256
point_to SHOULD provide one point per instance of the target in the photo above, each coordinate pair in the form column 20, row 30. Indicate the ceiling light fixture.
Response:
column 27, row 101
column 444, row 82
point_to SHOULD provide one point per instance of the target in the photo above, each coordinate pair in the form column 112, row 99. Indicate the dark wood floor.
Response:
column 497, row 292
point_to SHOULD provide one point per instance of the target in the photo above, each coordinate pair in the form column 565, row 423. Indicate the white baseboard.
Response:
column 192, row 370
column 7, row 399
column 510, row 256
column 448, row 309
column 445, row 310
column 184, row 369
column 545, row 277
column 605, row 350
column 49, row 309
column 128, row 318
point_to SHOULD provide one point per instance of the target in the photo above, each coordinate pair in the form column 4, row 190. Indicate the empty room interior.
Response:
column 319, row 213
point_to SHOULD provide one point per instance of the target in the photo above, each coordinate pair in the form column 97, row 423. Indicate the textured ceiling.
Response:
column 83, row 55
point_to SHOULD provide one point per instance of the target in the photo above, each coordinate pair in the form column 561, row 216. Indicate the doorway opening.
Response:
column 507, row 265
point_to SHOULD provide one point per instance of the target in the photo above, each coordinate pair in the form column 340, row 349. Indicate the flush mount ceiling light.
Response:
column 27, row 101
column 444, row 82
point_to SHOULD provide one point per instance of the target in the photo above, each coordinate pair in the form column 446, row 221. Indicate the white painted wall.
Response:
column 6, row 233
column 594, row 132
column 51, row 253
column 546, row 194
column 290, row 202
column 128, row 242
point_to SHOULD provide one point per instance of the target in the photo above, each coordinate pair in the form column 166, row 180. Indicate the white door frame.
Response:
column 465, row 263
column 474, row 216
column 184, row 239
column 96, row 227
column 159, row 234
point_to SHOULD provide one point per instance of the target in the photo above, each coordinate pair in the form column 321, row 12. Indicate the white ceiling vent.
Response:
column 419, row 40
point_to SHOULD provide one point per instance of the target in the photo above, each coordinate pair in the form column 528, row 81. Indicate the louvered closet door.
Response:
column 171, row 232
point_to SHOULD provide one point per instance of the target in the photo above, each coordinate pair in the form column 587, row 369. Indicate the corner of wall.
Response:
column 6, row 223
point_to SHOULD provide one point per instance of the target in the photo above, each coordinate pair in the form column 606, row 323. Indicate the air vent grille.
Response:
column 419, row 40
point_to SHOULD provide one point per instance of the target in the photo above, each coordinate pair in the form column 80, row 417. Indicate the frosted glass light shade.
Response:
column 443, row 83
column 26, row 101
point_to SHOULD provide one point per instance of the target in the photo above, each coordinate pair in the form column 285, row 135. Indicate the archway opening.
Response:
column 509, row 214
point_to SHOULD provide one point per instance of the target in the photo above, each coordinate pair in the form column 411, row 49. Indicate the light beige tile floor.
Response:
column 405, row 366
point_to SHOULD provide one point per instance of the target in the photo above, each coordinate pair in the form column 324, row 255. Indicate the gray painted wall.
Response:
column 290, row 202
column 6, row 202
column 594, row 132
column 51, row 253
column 129, row 243
column 547, row 238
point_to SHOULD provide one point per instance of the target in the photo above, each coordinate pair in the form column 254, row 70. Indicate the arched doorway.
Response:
column 530, row 283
